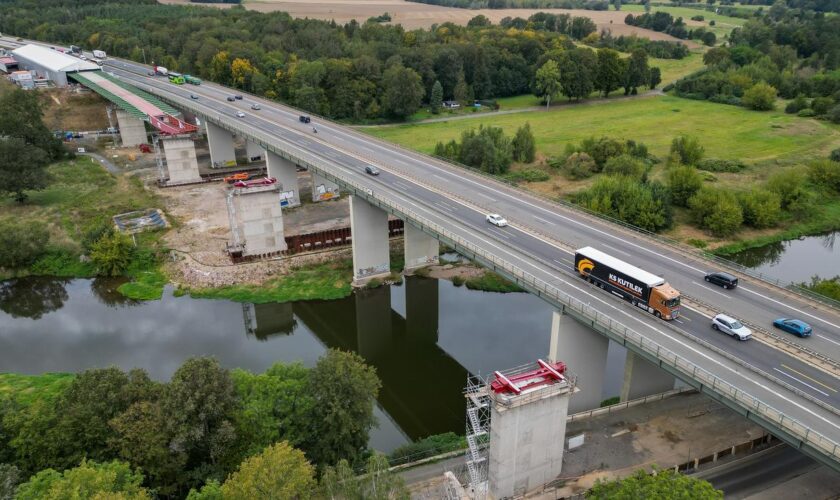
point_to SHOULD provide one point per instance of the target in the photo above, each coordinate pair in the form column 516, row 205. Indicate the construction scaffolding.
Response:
column 477, row 394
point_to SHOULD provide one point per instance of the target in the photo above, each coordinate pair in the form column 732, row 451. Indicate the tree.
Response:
column 760, row 97
column 524, row 146
column 22, row 243
column 645, row 205
column 22, row 118
column 22, row 168
column 655, row 77
column 548, row 81
column 211, row 490
column 684, row 182
column 788, row 185
column 10, row 478
column 487, row 149
column 403, row 91
column 89, row 480
column 825, row 173
column 716, row 210
column 579, row 166
column 343, row 388
column 761, row 208
column 436, row 99
column 627, row 166
column 220, row 71
column 461, row 92
column 610, row 71
column 280, row 471
column 243, row 73
column 662, row 484
column 112, row 253
column 637, row 73
column 577, row 73
column 479, row 21
column 688, row 149
column 377, row 482
column 709, row 39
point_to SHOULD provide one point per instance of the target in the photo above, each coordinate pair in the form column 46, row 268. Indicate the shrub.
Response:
column 627, row 166
column 458, row 280
column 688, row 149
column 834, row 114
column 684, row 182
column 601, row 149
column 825, row 173
column 373, row 283
column 645, row 205
column 698, row 18
column 788, row 185
column 427, row 447
column 796, row 105
column 806, row 113
column 528, row 175
column 579, row 166
column 697, row 243
column 718, row 165
column 112, row 253
column 760, row 97
column 761, row 208
column 821, row 105
column 835, row 155
column 716, row 210
column 21, row 244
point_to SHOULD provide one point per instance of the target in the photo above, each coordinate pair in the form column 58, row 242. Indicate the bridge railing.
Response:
column 628, row 336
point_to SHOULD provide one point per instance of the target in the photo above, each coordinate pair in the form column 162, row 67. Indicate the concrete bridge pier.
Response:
column 256, row 221
column 643, row 378
column 420, row 248
column 421, row 309
column 369, row 226
column 222, row 153
column 181, row 162
column 322, row 189
column 373, row 322
column 254, row 151
column 286, row 174
column 132, row 130
column 585, row 353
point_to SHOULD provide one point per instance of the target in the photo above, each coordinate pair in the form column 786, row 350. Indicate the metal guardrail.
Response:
column 627, row 336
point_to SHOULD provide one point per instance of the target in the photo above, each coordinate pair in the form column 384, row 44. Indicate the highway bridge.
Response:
column 789, row 386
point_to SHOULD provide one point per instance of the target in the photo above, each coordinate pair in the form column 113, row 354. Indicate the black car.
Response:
column 304, row 119
column 237, row 97
column 371, row 170
column 725, row 280
column 231, row 98
column 193, row 96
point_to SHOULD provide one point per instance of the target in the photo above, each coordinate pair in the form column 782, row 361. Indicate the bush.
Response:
column 579, row 166
column 427, row 447
column 821, row 105
column 627, row 166
column 716, row 210
column 528, row 175
column 698, row 18
column 761, row 208
column 834, row 114
column 684, row 182
column 806, row 113
column 458, row 280
column 825, row 173
column 788, row 185
column 718, row 165
column 645, row 205
column 760, row 97
column 835, row 155
column 601, row 149
column 688, row 149
column 796, row 105
column 21, row 244
column 112, row 254
column 373, row 283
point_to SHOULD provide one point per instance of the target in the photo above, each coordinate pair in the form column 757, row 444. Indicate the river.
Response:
column 423, row 337
column 795, row 261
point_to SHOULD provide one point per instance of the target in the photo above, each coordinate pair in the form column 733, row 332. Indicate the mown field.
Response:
column 727, row 132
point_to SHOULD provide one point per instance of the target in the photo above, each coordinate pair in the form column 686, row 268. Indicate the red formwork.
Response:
column 545, row 374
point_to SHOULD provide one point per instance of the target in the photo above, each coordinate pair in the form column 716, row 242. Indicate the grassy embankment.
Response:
column 26, row 389
column 82, row 194
column 765, row 141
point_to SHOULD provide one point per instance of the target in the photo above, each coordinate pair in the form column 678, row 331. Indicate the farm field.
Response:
column 726, row 131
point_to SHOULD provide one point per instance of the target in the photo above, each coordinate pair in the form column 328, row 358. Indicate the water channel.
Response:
column 796, row 261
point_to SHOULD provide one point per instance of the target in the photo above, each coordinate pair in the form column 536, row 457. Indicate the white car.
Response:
column 240, row 114
column 731, row 326
column 497, row 220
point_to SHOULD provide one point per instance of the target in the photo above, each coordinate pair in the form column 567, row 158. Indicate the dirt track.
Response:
column 417, row 15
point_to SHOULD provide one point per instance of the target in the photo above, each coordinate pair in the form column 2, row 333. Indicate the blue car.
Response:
column 794, row 326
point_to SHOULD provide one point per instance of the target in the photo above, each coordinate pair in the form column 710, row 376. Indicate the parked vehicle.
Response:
column 99, row 54
column 370, row 169
column 723, row 279
column 794, row 326
column 642, row 289
column 304, row 119
column 265, row 181
column 731, row 326
column 497, row 220
column 241, row 176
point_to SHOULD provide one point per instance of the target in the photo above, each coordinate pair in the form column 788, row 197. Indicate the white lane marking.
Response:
column 543, row 221
column 560, row 262
column 710, row 290
column 616, row 249
column 789, row 307
column 801, row 382
column 825, row 338
column 480, row 194
column 442, row 207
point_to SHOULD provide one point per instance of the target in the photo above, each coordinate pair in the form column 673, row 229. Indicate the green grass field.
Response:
column 723, row 24
column 25, row 389
column 728, row 132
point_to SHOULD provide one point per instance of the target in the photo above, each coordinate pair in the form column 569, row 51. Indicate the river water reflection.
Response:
column 423, row 338
column 795, row 260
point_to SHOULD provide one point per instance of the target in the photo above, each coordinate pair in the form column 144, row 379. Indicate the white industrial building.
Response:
column 50, row 64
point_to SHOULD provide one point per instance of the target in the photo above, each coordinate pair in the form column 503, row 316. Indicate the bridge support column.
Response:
column 369, row 226
column 222, row 153
column 256, row 221
column 373, row 322
column 585, row 353
column 267, row 320
column 181, row 162
column 322, row 189
column 254, row 151
column 420, row 248
column 421, row 309
column 286, row 174
column 643, row 378
column 132, row 130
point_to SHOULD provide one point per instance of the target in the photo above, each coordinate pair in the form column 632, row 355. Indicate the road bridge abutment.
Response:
column 323, row 189
column 585, row 353
column 132, row 129
column 420, row 248
column 286, row 174
column 220, row 141
column 369, row 226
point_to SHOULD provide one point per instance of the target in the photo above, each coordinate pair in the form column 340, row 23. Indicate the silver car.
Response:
column 731, row 326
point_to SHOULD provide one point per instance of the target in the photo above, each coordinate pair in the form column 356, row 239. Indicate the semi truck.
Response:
column 160, row 70
column 192, row 80
column 644, row 290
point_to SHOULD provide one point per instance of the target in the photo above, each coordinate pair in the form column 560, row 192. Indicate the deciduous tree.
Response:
column 280, row 471
column 403, row 91
column 524, row 146
column 684, row 181
column 610, row 73
column 89, row 480
column 664, row 485
column 548, row 81
column 436, row 99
